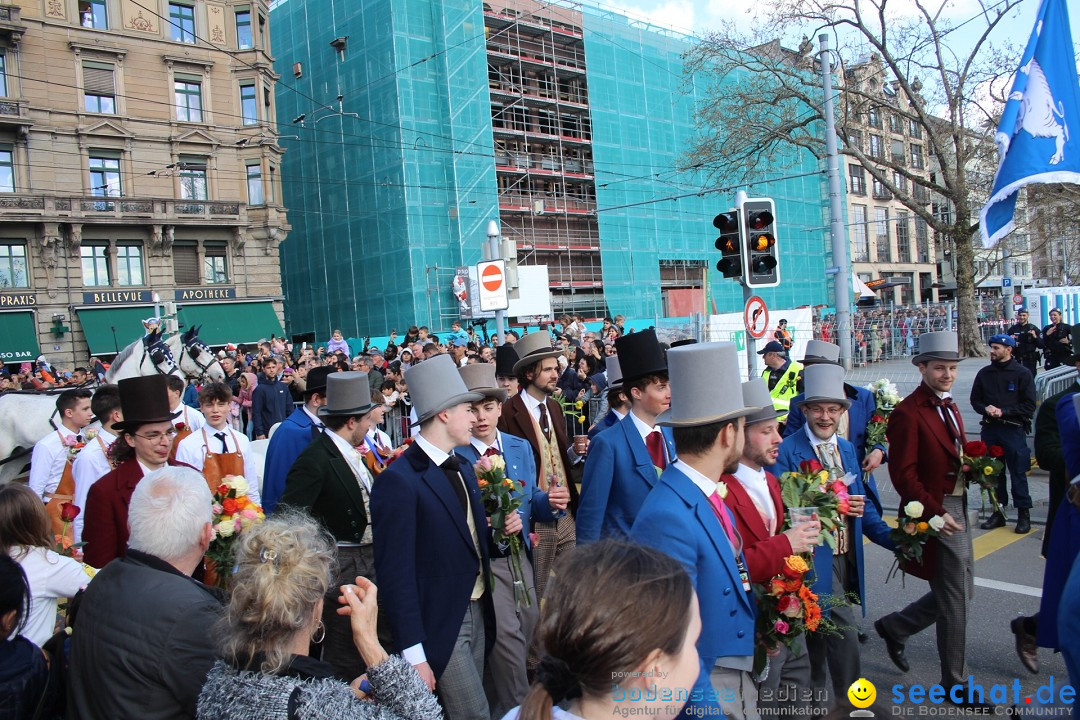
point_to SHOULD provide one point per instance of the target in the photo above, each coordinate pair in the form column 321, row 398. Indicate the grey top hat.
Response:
column 824, row 383
column 941, row 345
column 480, row 378
column 756, row 393
column 533, row 348
column 435, row 385
column 347, row 393
column 819, row 351
column 705, row 385
column 614, row 373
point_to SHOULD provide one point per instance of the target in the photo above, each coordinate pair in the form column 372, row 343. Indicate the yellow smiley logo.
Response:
column 862, row 693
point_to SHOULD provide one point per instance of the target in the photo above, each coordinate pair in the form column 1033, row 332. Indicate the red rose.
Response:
column 180, row 426
column 789, row 606
column 996, row 451
column 878, row 419
column 68, row 512
column 230, row 506
column 975, row 448
column 223, row 490
column 810, row 466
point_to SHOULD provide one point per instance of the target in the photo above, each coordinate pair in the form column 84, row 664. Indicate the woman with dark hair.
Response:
column 575, row 379
column 23, row 669
column 619, row 635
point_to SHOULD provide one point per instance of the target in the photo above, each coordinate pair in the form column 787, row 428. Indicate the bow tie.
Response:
column 944, row 402
column 491, row 451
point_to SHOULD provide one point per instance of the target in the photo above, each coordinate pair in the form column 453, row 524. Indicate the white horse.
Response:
column 197, row 360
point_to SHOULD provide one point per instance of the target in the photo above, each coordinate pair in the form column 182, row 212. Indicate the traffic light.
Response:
column 729, row 244
column 762, row 264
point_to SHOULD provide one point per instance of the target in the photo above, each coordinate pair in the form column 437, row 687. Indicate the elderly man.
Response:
column 142, row 645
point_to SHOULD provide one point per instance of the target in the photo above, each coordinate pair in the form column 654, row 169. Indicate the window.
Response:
column 186, row 263
column 896, row 125
column 99, row 88
column 3, row 75
column 92, row 14
column 7, row 169
column 858, row 179
column 13, row 266
column 95, row 265
column 105, row 177
column 922, row 239
column 916, row 157
column 129, row 264
column 262, row 33
column 271, row 193
column 881, row 231
column 254, row 184
column 903, row 236
column 243, row 28
column 249, row 104
column 873, row 118
column 914, row 129
column 215, row 266
column 854, row 139
column 880, row 191
column 900, row 182
column 188, row 100
column 193, row 179
column 897, row 147
column 861, row 249
column 877, row 148
column 182, row 22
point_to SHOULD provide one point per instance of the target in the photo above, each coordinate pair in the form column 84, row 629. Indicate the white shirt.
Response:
column 189, row 416
column 533, row 406
column 47, row 462
column 191, row 451
column 353, row 457
column 757, row 486
column 50, row 576
column 378, row 437
column 315, row 419
column 703, row 483
column 89, row 466
column 481, row 447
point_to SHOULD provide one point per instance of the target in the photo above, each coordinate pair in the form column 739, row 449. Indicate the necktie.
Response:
column 830, row 456
column 545, row 426
column 491, row 451
column 224, row 447
column 720, row 510
column 948, row 407
column 654, row 443
column 450, row 467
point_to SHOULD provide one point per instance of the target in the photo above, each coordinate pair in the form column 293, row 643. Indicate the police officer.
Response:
column 1028, row 341
column 1004, row 394
column 783, row 375
column 1056, row 341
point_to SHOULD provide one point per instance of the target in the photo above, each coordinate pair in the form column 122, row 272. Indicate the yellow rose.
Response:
column 579, row 404
column 497, row 462
column 988, row 471
column 237, row 483
column 823, row 476
column 225, row 528
column 581, row 419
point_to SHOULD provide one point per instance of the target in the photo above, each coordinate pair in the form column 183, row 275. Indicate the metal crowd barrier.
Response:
column 1051, row 382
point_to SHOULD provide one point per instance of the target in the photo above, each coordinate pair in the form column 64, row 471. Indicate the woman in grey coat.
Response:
column 283, row 573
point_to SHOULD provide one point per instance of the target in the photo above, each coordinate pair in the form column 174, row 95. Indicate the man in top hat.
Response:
column 330, row 481
column 617, row 403
column 505, row 358
column 686, row 517
column 926, row 437
column 624, row 464
column 432, row 545
column 534, row 415
column 782, row 375
column 755, row 501
column 293, row 435
column 144, row 444
column 1004, row 394
column 840, row 571
column 514, row 620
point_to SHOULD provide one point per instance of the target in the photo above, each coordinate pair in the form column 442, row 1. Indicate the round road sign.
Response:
column 1018, row 299
column 492, row 278
column 756, row 317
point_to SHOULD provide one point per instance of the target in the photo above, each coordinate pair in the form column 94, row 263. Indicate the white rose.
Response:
column 722, row 490
column 914, row 510
column 237, row 483
column 936, row 523
column 225, row 528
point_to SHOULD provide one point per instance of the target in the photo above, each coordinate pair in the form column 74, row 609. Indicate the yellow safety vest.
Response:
column 785, row 388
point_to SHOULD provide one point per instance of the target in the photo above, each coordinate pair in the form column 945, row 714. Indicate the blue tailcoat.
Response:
column 603, row 424
column 290, row 439
column 797, row 448
column 618, row 476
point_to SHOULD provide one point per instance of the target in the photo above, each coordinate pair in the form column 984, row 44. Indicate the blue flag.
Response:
column 1044, row 106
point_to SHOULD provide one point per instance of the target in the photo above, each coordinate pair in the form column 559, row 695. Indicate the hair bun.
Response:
column 557, row 678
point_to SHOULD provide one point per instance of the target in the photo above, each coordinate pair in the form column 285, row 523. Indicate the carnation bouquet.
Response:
column 981, row 465
column 886, row 399
column 814, row 486
column 500, row 500
column 233, row 513
column 786, row 610
column 910, row 536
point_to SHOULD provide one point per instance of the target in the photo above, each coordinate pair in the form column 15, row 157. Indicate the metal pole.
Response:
column 495, row 253
column 1006, row 292
column 751, row 354
column 842, row 268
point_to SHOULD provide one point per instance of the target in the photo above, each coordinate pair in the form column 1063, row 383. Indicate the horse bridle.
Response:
column 196, row 347
column 159, row 353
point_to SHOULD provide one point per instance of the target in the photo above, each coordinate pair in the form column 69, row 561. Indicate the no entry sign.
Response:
column 756, row 317
column 492, row 276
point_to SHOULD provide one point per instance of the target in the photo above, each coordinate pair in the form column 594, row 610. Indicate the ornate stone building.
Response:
column 138, row 162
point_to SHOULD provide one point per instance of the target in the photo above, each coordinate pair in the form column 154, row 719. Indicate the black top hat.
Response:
column 316, row 379
column 144, row 400
column 505, row 357
column 640, row 355
column 684, row 341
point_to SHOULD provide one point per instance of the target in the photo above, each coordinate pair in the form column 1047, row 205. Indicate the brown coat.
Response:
column 517, row 420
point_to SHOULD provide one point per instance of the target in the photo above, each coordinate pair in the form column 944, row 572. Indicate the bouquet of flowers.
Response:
column 886, row 399
column 73, row 445
column 233, row 513
column 814, row 486
column 910, row 535
column 786, row 610
column 64, row 542
column 981, row 465
column 500, row 501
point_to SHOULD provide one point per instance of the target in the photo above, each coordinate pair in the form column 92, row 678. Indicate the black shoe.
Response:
column 1023, row 521
column 895, row 649
column 863, row 637
column 1026, row 648
column 995, row 520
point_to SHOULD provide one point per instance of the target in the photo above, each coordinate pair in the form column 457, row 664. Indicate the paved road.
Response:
column 1009, row 575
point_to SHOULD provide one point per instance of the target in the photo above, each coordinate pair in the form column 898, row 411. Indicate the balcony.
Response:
column 54, row 208
column 15, row 112
column 11, row 25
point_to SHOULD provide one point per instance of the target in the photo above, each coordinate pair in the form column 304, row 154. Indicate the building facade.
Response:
column 138, row 161
column 568, row 125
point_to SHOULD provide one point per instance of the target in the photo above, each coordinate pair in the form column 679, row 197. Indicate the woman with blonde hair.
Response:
column 284, row 569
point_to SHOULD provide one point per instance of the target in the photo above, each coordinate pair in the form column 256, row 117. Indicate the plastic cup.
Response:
column 801, row 515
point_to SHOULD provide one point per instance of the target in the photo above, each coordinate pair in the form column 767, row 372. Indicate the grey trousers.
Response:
column 840, row 652
column 788, row 681
column 951, row 591
column 461, row 686
column 505, row 679
column 337, row 648
column 738, row 696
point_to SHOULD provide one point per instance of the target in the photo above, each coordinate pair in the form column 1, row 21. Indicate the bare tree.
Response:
column 764, row 107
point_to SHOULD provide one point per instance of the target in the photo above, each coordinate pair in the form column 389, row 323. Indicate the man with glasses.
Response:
column 145, row 440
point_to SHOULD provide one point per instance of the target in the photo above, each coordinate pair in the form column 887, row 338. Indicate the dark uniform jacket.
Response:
column 1008, row 386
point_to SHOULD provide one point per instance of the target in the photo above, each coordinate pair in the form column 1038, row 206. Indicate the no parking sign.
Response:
column 756, row 317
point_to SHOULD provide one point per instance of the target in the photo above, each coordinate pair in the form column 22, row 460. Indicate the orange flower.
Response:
column 229, row 506
column 795, row 566
column 482, row 483
column 922, row 527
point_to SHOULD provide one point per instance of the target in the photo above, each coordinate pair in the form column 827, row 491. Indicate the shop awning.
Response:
column 231, row 322
column 99, row 324
column 19, row 343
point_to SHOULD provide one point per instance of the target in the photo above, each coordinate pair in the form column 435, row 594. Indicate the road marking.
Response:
column 1008, row 587
column 996, row 539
